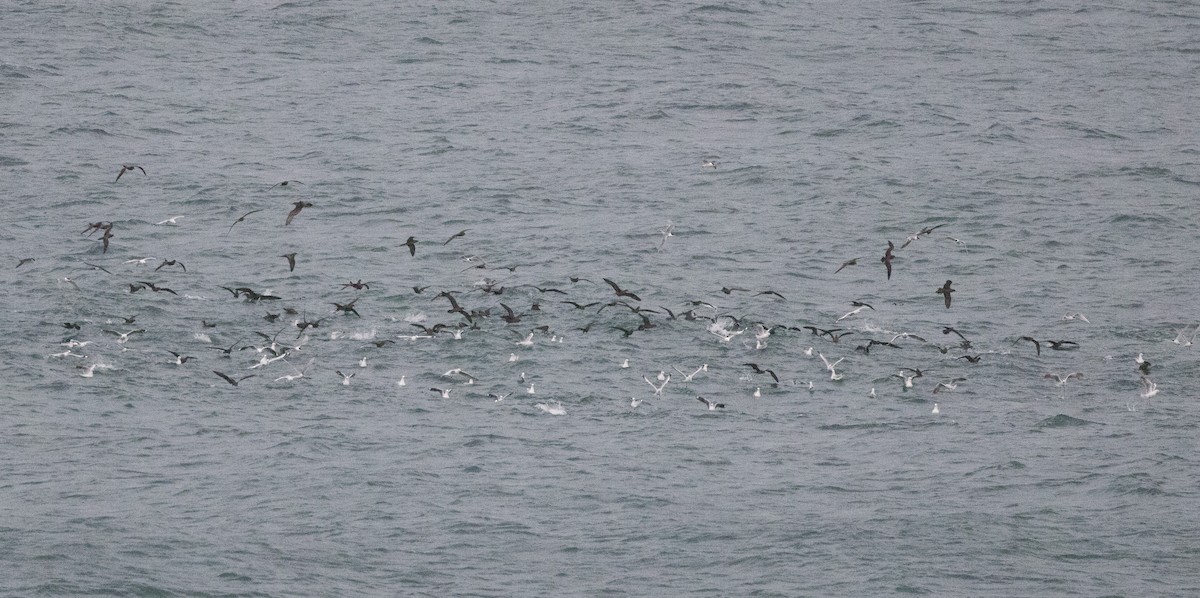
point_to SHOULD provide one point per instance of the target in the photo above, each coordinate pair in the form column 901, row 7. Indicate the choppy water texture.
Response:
column 1056, row 143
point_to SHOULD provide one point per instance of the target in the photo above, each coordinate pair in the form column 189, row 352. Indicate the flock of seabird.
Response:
column 486, row 306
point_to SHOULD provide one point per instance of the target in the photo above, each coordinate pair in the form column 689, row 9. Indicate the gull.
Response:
column 935, row 409
column 243, row 217
column 125, row 167
column 851, row 313
column 231, row 380
column 948, row 385
column 445, row 392
column 928, row 230
column 499, row 397
column 1061, row 380
column 88, row 370
column 908, row 380
column 808, row 352
column 829, row 366
column 634, row 402
column 657, row 389
column 1182, row 334
column 284, row 184
column 180, row 359
column 527, row 341
column 299, row 372
column 169, row 220
column 1076, row 316
column 124, row 336
column 757, row 392
column 662, row 375
column 870, row 394
column 553, row 408
column 300, row 205
column 761, row 332
column 1149, row 388
column 362, row 363
column 263, row 360
column 666, row 233
column 709, row 164
column 711, row 405
column 688, row 377
column 72, row 344
column 138, row 261
column 401, row 382
column 945, row 293
column 345, row 378
column 512, row 357
column 625, row 364
column 529, row 391
column 67, row 353
column 69, row 281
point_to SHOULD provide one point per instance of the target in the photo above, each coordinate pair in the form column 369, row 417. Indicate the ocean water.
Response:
column 1054, row 147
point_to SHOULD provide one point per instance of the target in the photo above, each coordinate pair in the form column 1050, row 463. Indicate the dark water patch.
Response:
column 1064, row 421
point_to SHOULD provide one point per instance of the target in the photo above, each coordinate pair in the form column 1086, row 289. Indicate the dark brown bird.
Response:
column 26, row 260
column 231, row 380
column 347, row 308
column 171, row 263
column 241, row 219
column 759, row 370
column 853, row 262
column 300, row 205
column 106, row 236
column 411, row 243
column 125, row 167
column 358, row 286
column 291, row 258
column 1036, row 344
column 887, row 259
column 621, row 292
column 284, row 184
column 456, row 235
column 945, row 292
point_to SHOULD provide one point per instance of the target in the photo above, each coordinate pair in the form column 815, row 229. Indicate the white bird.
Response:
column 625, row 364
column 662, row 375
column 1179, row 337
column 757, row 392
column 829, row 366
column 67, row 353
column 1061, row 380
column 69, row 281
column 512, row 357
column 948, row 385
column 666, row 233
column 808, row 352
column 688, row 377
column 169, row 220
column 761, row 332
column 634, row 402
column 73, row 344
column 1076, row 316
column 527, row 341
column 124, row 336
column 1139, row 359
column 445, row 392
column 872, row 393
column 401, row 382
column 530, row 391
column 711, row 405
column 345, row 378
column 852, row 312
column 657, row 389
column 553, row 408
column 87, row 370
column 908, row 380
column 362, row 363
column 499, row 397
column 710, row 164
column 138, row 261
column 299, row 372
column 1149, row 388
column 935, row 409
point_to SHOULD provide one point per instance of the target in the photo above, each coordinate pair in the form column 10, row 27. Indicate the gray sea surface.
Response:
column 1053, row 146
